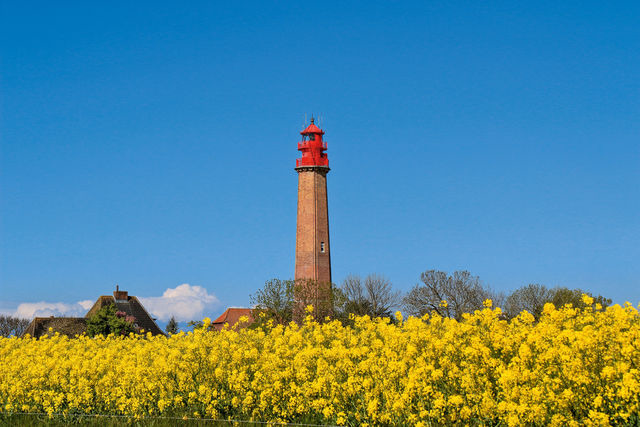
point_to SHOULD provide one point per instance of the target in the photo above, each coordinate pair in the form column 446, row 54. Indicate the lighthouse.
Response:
column 313, row 251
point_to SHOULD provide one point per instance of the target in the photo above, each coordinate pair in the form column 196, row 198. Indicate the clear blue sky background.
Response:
column 153, row 144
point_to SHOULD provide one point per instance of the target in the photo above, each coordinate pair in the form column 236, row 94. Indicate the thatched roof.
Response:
column 130, row 305
column 69, row 326
column 72, row 326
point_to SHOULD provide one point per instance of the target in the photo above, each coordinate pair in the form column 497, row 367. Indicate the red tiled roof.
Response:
column 232, row 316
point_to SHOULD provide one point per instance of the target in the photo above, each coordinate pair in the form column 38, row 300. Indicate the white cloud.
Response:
column 29, row 310
column 185, row 302
column 86, row 304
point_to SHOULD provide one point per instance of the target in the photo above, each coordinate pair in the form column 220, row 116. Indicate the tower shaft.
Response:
column 313, row 259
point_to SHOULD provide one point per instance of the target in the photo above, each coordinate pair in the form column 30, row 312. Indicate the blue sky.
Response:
column 152, row 144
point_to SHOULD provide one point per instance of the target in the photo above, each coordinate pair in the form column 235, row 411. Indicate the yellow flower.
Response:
column 206, row 322
column 571, row 366
column 587, row 299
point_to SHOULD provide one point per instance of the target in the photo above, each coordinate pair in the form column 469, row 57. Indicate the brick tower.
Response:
column 313, row 253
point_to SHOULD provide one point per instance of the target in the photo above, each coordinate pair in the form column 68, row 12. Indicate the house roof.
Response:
column 69, row 326
column 133, row 307
column 72, row 326
column 232, row 316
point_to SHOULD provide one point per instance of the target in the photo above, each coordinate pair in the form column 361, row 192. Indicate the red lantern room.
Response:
column 312, row 147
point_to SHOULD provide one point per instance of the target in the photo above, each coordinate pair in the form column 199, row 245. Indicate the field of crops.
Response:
column 572, row 366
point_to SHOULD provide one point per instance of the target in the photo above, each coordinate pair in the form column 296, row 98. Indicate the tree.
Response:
column 172, row 326
column 531, row 298
column 562, row 296
column 322, row 296
column 196, row 324
column 284, row 301
column 10, row 325
column 275, row 301
column 375, row 297
column 108, row 320
column 448, row 295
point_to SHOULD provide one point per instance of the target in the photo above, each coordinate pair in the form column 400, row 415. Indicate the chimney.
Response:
column 120, row 295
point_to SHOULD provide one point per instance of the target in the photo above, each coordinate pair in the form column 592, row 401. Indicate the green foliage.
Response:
column 172, row 326
column 275, row 301
column 283, row 301
column 108, row 320
column 196, row 324
column 562, row 296
column 533, row 297
column 453, row 295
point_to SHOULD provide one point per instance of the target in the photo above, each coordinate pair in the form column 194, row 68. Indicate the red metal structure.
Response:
column 312, row 147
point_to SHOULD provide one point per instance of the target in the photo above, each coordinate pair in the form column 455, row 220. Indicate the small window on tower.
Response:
column 322, row 247
column 312, row 136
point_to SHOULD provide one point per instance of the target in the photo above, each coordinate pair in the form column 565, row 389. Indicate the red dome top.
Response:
column 312, row 147
column 312, row 129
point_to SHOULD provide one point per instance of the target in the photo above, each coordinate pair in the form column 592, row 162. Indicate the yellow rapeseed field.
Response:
column 571, row 367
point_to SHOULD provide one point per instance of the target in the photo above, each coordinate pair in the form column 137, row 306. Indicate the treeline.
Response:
column 12, row 326
column 449, row 295
column 465, row 293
